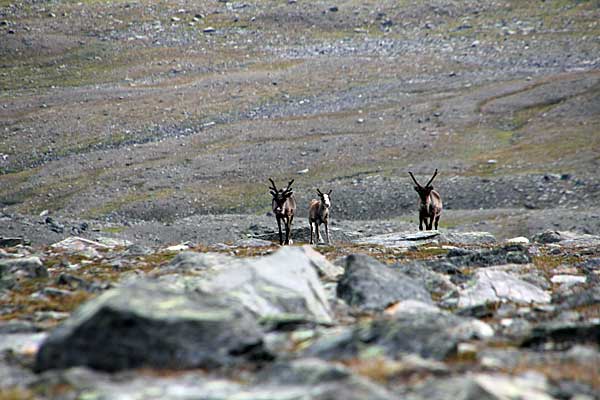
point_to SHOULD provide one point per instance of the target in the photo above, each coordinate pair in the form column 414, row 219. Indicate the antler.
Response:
column 273, row 187
column 330, row 190
column 431, row 180
column 413, row 178
column 289, row 188
column 318, row 191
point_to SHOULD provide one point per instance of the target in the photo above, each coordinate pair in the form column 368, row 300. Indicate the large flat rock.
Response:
column 416, row 238
column 147, row 326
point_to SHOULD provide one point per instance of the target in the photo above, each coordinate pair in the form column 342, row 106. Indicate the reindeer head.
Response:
column 280, row 196
column 325, row 200
column 423, row 191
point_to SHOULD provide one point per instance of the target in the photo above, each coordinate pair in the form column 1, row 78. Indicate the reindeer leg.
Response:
column 327, row 232
column 318, row 231
column 310, row 224
column 437, row 220
column 280, row 234
column 289, row 230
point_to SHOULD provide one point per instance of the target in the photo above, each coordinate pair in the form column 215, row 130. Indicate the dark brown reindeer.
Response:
column 318, row 213
column 430, row 204
column 284, row 207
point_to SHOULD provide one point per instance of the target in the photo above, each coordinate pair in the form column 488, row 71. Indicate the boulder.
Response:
column 433, row 335
column 588, row 297
column 370, row 285
column 482, row 387
column 191, row 262
column 564, row 334
column 323, row 266
column 436, row 283
column 282, row 285
column 12, row 241
column 467, row 238
column 307, row 379
column 491, row 286
column 401, row 239
column 13, row 268
column 321, row 380
column 508, row 254
column 147, row 326
column 567, row 238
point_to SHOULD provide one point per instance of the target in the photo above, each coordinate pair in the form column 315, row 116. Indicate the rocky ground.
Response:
column 132, row 132
column 416, row 315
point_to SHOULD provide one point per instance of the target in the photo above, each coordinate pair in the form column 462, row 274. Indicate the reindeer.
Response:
column 318, row 213
column 430, row 204
column 284, row 206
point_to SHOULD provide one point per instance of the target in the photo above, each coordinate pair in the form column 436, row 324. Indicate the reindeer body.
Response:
column 284, row 207
column 430, row 210
column 318, row 213
column 430, row 204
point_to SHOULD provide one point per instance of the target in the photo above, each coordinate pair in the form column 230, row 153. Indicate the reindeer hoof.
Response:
column 291, row 242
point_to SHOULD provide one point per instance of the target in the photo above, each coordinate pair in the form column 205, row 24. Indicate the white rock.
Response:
column 411, row 307
column 569, row 279
column 493, row 286
column 518, row 240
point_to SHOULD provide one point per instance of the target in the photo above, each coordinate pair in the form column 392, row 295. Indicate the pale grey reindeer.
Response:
column 318, row 213
column 284, row 207
column 430, row 203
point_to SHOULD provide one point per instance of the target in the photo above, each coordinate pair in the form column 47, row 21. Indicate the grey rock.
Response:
column 563, row 334
column 77, row 283
column 515, row 328
column 401, row 239
column 497, row 286
column 547, row 237
column 253, row 242
column 191, row 262
column 17, row 326
column 432, row 335
column 290, row 381
column 325, row 269
column 509, row 254
column 482, row 387
column 469, row 238
column 588, row 297
column 12, row 241
column 322, row 380
column 137, row 250
column 11, row 269
column 282, row 285
column 52, row 291
column 370, row 285
column 146, row 325
column 436, row 283
column 567, row 238
column 411, row 307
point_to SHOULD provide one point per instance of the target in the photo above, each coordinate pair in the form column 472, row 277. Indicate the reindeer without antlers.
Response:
column 318, row 213
column 430, row 204
column 284, row 206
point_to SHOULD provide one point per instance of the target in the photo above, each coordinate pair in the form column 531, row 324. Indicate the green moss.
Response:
column 16, row 394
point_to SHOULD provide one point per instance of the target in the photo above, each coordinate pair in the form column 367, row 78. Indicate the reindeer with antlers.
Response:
column 318, row 213
column 284, row 206
column 430, row 203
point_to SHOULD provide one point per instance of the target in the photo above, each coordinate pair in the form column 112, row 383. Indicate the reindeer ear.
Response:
column 416, row 188
column 273, row 193
column 289, row 193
